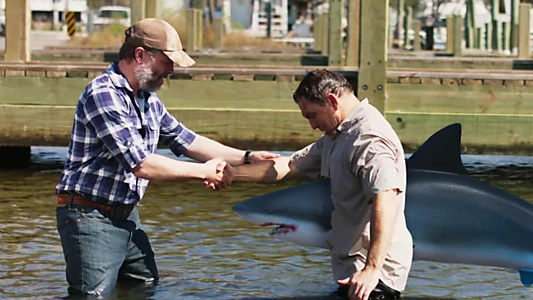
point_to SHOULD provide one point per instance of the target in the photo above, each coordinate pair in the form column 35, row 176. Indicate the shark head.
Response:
column 294, row 220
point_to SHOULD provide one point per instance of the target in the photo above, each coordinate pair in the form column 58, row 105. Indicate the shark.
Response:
column 453, row 217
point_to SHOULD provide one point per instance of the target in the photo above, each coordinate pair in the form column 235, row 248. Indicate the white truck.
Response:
column 107, row 15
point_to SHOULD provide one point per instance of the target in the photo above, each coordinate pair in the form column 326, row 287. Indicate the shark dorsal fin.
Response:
column 440, row 152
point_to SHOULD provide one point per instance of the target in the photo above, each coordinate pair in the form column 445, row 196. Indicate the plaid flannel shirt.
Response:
column 109, row 139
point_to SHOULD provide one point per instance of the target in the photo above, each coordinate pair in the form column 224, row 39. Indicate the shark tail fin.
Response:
column 526, row 277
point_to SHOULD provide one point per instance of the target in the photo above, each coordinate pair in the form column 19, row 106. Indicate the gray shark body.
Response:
column 453, row 217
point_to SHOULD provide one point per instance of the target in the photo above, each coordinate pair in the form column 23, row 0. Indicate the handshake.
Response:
column 219, row 173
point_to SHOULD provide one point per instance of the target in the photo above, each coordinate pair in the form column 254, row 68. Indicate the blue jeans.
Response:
column 99, row 251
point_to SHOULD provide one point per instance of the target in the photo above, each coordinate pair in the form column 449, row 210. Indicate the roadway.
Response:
column 40, row 39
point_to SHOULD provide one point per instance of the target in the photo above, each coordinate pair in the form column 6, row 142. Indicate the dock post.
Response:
column 417, row 27
column 151, row 9
column 138, row 10
column 458, row 36
column 524, row 40
column 335, row 45
column 354, row 24
column 450, row 30
column 18, row 22
column 372, row 76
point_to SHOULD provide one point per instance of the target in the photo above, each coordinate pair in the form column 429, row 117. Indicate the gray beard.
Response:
column 145, row 78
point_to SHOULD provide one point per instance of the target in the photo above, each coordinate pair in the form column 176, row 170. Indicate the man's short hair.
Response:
column 318, row 83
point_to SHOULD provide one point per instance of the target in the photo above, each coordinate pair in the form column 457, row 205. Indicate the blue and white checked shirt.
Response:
column 107, row 140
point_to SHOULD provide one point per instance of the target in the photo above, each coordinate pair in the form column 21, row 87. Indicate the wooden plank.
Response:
column 410, row 80
column 481, row 134
column 15, row 73
column 437, row 81
column 495, row 82
column 514, row 82
column 464, row 99
column 451, row 81
column 35, row 74
column 80, row 74
column 284, row 78
column 246, row 77
column 466, row 81
column 56, row 74
column 175, row 93
column 202, row 77
column 373, row 58
column 282, row 130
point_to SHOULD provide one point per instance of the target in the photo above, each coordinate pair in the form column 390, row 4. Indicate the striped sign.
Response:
column 70, row 18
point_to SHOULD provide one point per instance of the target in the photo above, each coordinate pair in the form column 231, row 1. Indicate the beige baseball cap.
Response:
column 160, row 35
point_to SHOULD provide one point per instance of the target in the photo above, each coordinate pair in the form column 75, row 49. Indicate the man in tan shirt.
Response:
column 371, row 247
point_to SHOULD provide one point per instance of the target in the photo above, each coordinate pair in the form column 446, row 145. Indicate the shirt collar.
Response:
column 350, row 119
column 119, row 79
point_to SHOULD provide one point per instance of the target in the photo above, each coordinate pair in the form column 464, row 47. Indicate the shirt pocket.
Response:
column 153, row 129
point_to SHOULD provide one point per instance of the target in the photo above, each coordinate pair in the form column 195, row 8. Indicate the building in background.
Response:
column 53, row 11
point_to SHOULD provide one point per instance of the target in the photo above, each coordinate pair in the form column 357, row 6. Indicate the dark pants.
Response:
column 99, row 251
column 381, row 292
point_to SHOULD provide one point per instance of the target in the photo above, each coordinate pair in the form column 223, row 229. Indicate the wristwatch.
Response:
column 247, row 157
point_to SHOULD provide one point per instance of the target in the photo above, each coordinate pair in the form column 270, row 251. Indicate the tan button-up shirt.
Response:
column 364, row 159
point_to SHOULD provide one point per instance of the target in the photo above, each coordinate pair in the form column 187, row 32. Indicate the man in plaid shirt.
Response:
column 118, row 123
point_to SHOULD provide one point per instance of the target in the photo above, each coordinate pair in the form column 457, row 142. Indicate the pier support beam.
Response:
column 151, row 9
column 138, row 10
column 373, row 52
column 18, row 22
column 354, row 22
column 14, row 157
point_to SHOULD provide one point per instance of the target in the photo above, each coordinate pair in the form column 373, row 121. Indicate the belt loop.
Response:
column 70, row 200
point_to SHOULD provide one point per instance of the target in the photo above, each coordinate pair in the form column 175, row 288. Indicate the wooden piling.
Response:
column 138, row 10
column 524, row 40
column 335, row 45
column 18, row 23
column 373, row 53
column 354, row 20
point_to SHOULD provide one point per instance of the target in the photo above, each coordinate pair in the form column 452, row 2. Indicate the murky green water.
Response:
column 204, row 250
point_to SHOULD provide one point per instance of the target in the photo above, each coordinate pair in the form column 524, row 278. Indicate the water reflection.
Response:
column 204, row 250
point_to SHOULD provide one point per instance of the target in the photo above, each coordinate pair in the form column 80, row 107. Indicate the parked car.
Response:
column 107, row 15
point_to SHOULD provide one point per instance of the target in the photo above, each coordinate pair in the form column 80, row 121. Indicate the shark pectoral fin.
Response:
column 526, row 277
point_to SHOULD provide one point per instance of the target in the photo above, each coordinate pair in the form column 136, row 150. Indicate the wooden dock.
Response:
column 252, row 107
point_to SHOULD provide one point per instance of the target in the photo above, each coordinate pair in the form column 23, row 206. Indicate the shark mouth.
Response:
column 281, row 228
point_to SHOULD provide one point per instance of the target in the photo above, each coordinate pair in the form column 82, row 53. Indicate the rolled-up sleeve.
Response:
column 107, row 114
column 376, row 163
column 308, row 160
column 174, row 134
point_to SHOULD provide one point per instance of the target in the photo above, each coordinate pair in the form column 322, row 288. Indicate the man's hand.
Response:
column 219, row 174
column 262, row 155
column 361, row 284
